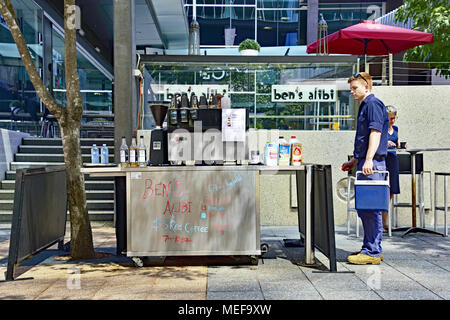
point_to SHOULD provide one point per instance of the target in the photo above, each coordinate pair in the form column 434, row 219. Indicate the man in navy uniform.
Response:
column 369, row 154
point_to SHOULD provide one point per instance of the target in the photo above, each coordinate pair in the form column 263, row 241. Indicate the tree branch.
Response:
column 74, row 98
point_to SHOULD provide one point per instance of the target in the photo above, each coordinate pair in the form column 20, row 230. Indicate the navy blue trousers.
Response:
column 372, row 220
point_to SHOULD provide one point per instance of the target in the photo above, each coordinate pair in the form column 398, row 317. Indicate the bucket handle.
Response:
column 374, row 171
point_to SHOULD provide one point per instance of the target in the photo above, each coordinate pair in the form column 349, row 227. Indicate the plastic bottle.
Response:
column 133, row 153
column 104, row 154
column 124, row 153
column 284, row 152
column 94, row 154
column 142, row 151
column 296, row 151
column 270, row 154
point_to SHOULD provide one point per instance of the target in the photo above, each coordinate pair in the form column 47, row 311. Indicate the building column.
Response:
column 125, row 88
column 313, row 21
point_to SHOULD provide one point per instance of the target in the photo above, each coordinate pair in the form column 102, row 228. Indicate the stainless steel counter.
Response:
column 203, row 210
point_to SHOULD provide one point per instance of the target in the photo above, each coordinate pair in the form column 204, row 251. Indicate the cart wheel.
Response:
column 264, row 248
column 138, row 262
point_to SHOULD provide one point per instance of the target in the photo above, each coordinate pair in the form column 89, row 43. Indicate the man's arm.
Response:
column 346, row 166
column 374, row 142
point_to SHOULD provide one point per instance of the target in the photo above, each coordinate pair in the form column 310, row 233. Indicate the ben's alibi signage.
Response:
column 304, row 93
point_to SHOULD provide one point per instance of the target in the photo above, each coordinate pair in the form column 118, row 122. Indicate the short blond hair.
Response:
column 363, row 77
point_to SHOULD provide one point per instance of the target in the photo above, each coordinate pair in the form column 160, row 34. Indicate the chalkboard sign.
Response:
column 39, row 213
column 192, row 212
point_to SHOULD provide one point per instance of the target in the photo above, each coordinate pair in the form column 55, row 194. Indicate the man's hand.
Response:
column 346, row 166
column 367, row 168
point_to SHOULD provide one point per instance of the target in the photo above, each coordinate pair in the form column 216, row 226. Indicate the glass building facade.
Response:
column 225, row 23
column 20, row 106
column 341, row 15
column 276, row 23
column 259, row 87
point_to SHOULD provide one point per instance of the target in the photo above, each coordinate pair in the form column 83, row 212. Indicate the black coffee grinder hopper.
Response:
column 158, row 140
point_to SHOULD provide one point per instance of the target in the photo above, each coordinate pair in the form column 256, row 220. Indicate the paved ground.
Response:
column 416, row 267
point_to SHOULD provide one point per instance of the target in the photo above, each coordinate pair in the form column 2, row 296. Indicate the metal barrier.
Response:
column 445, row 208
column 39, row 214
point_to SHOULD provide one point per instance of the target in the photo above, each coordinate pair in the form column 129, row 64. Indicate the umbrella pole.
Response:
column 391, row 74
column 366, row 65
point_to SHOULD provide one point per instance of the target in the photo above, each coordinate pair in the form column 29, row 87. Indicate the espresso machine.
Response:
column 195, row 133
column 158, row 140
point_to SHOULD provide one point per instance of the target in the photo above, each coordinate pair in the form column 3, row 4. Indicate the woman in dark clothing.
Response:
column 391, row 159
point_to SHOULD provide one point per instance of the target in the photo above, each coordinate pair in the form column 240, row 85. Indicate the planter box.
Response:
column 249, row 52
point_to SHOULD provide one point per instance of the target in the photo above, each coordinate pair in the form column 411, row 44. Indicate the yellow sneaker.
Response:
column 357, row 252
column 361, row 258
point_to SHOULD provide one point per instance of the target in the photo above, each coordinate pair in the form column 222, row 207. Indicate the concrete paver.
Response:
column 416, row 267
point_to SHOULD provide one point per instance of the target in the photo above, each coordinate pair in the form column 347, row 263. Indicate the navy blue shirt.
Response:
column 372, row 115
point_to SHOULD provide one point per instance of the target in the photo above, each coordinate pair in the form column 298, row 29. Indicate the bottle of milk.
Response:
column 296, row 151
column 284, row 152
column 271, row 154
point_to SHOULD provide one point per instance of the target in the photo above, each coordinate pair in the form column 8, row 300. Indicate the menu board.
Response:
column 233, row 125
column 192, row 212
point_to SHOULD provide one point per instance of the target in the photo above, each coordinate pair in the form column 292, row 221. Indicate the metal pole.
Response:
column 413, row 188
column 421, row 200
column 389, row 218
column 391, row 75
column 348, row 205
column 309, row 245
column 366, row 64
column 194, row 10
column 254, row 100
column 395, row 211
column 435, row 202
column 445, row 207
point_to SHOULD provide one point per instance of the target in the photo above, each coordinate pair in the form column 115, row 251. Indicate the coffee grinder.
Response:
column 158, row 140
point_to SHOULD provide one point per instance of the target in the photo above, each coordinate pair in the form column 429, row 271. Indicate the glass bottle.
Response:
column 142, row 151
column 194, row 105
column 173, row 113
column 124, row 153
column 133, row 153
column 184, row 107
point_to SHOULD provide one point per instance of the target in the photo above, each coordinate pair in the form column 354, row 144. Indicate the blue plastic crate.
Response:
column 372, row 194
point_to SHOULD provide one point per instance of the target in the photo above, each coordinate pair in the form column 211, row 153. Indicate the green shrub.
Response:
column 249, row 44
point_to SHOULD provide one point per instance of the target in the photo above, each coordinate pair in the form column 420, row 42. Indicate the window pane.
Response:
column 281, row 27
column 18, row 98
column 250, row 86
column 339, row 16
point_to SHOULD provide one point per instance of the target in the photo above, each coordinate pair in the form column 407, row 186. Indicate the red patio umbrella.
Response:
column 372, row 38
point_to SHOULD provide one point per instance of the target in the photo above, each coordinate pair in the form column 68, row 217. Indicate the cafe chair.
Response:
column 445, row 208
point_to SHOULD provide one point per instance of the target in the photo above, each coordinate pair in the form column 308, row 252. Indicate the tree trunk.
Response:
column 69, row 119
column 81, row 234
column 81, row 244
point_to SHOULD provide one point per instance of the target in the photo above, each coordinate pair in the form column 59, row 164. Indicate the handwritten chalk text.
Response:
column 177, row 207
column 160, row 189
